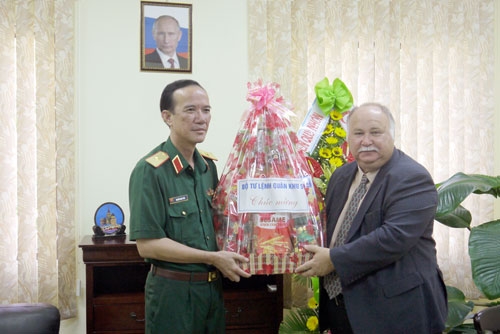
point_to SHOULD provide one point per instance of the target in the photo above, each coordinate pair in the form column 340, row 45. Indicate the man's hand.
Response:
column 227, row 263
column 319, row 265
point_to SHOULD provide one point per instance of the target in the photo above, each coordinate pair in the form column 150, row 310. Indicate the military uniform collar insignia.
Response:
column 177, row 163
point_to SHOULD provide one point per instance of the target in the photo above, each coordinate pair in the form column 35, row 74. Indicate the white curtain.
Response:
column 37, row 153
column 430, row 61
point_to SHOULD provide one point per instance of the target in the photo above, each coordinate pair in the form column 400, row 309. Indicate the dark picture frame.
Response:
column 172, row 36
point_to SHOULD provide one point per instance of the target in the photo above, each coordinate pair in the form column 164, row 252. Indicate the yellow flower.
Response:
column 337, row 151
column 328, row 151
column 325, row 153
column 331, row 140
column 312, row 303
column 312, row 323
column 329, row 129
column 336, row 161
column 335, row 115
column 340, row 132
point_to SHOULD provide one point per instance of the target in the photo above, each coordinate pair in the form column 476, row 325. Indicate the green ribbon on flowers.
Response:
column 315, row 287
column 337, row 96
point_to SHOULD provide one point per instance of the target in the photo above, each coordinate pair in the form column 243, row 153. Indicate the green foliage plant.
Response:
column 484, row 244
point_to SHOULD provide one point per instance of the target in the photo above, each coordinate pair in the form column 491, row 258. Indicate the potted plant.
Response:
column 484, row 243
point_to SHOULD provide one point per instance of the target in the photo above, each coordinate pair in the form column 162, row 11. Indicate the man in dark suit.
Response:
column 385, row 262
column 167, row 34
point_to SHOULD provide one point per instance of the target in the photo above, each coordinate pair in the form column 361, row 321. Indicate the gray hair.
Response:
column 384, row 109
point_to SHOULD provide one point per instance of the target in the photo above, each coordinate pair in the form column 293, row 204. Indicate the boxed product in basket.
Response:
column 266, row 204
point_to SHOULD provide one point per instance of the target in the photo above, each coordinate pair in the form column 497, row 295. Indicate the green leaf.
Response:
column 315, row 287
column 484, row 252
column 455, row 190
column 458, row 218
column 300, row 280
column 463, row 329
column 295, row 321
column 458, row 307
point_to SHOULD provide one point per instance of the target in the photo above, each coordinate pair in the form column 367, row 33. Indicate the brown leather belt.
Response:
column 208, row 276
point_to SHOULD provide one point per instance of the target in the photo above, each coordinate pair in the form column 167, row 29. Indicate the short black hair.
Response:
column 167, row 100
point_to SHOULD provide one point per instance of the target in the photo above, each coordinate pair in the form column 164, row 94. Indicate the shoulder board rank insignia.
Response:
column 207, row 155
column 157, row 159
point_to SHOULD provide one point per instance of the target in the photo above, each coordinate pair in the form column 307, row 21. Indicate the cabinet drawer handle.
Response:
column 134, row 316
column 272, row 288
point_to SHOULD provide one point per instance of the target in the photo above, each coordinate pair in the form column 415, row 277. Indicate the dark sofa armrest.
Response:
column 39, row 318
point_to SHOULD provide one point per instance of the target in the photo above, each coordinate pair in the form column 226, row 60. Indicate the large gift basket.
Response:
column 266, row 204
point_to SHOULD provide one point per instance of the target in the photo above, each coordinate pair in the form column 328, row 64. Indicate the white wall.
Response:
column 117, row 104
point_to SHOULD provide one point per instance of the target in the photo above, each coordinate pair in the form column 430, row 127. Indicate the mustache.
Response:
column 367, row 149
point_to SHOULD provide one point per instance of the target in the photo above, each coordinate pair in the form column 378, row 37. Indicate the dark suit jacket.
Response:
column 388, row 268
column 153, row 60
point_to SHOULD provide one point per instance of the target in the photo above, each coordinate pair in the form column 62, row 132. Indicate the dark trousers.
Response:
column 335, row 316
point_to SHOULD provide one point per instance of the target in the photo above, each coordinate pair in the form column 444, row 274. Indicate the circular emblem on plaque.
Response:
column 108, row 219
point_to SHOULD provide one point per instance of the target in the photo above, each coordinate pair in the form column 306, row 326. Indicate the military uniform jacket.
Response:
column 168, row 198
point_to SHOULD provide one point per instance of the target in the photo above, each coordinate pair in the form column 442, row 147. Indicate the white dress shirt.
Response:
column 165, row 58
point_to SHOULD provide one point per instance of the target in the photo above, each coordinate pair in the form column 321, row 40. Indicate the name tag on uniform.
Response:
column 178, row 199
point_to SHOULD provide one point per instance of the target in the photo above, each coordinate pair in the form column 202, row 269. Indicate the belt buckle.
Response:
column 212, row 276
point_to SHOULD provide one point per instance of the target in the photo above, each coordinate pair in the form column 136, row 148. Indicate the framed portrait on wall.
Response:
column 166, row 36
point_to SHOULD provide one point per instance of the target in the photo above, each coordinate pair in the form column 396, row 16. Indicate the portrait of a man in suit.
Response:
column 167, row 33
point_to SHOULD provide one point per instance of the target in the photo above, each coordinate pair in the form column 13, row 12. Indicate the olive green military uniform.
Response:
column 170, row 199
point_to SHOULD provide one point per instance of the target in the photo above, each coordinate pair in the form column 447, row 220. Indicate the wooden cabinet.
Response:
column 115, row 278
column 254, row 305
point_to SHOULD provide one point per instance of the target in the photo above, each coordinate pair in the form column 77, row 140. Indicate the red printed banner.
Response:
column 312, row 127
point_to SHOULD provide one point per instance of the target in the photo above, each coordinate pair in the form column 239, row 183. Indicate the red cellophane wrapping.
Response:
column 266, row 205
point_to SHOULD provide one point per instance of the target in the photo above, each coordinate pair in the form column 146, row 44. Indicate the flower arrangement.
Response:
column 303, row 320
column 322, row 136
column 266, row 206
column 327, row 147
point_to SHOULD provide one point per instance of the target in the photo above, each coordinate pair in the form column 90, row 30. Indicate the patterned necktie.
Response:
column 332, row 281
column 172, row 62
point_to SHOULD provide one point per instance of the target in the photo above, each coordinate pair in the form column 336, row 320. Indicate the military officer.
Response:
column 170, row 193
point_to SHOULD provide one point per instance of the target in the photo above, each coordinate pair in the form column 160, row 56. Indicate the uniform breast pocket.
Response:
column 185, row 227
